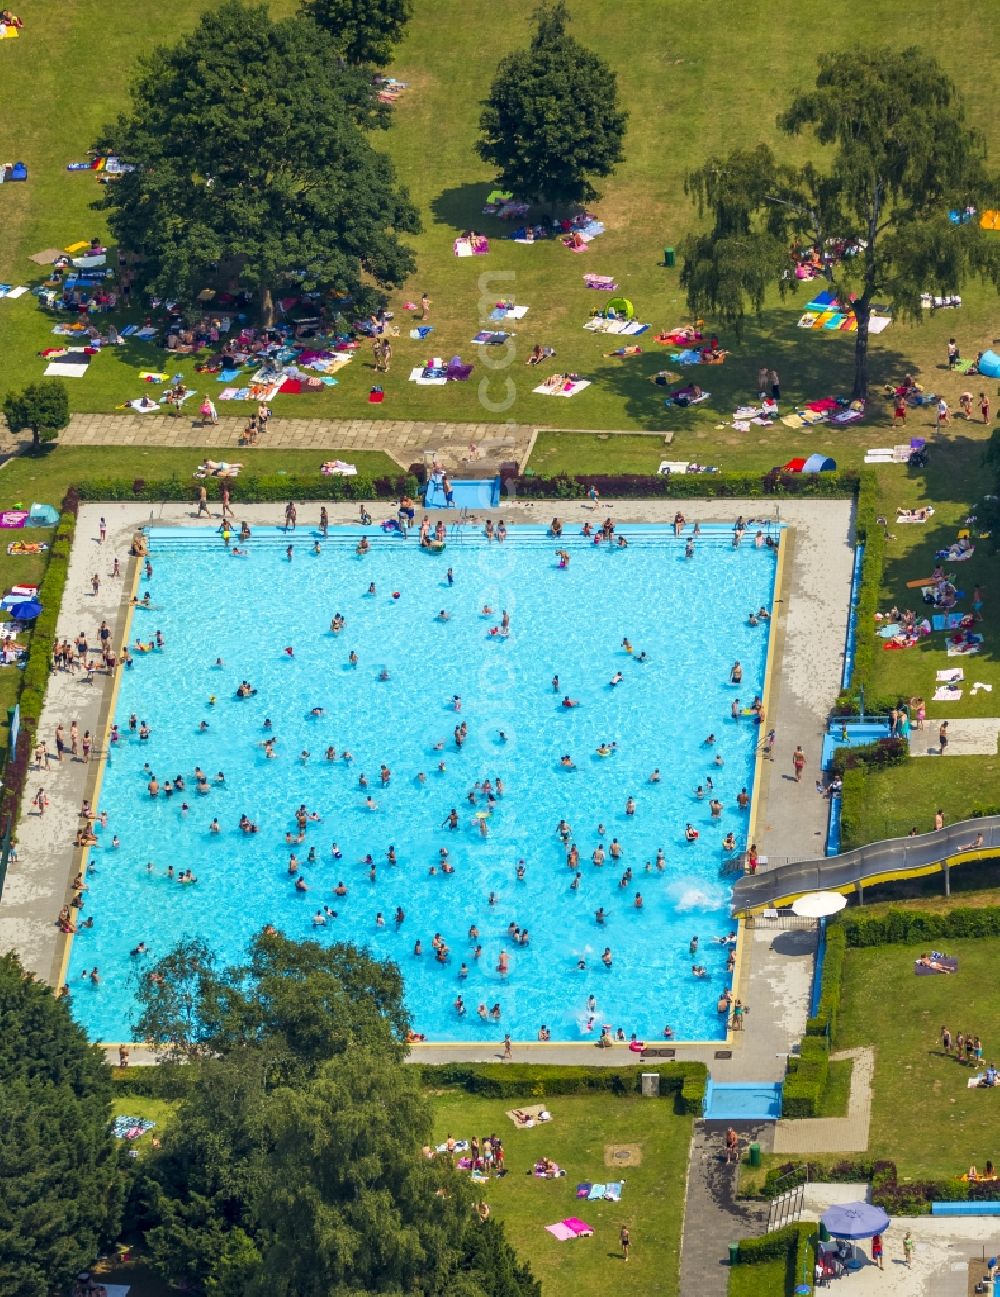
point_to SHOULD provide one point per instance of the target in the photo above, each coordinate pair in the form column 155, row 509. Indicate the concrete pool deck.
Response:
column 775, row 973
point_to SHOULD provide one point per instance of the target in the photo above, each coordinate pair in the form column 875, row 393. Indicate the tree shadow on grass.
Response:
column 461, row 207
column 810, row 367
column 955, row 476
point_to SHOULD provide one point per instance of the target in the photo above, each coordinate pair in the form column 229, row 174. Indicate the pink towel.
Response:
column 579, row 1227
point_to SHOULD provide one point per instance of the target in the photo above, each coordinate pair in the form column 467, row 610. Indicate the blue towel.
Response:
column 227, row 375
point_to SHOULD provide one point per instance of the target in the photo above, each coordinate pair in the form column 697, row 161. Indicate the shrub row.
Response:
column 35, row 676
column 805, row 1080
column 164, row 1081
column 873, row 756
column 633, row 486
column 852, row 804
column 906, row 1198
column 916, row 927
column 825, row 1021
column 250, row 488
column 684, row 1082
column 872, row 535
column 794, row 1243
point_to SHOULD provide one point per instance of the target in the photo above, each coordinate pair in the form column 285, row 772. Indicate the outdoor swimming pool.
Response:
column 688, row 616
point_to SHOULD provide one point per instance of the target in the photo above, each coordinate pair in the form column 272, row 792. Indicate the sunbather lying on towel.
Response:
column 928, row 961
column 539, row 353
column 913, row 515
column 622, row 352
column 555, row 381
column 687, row 395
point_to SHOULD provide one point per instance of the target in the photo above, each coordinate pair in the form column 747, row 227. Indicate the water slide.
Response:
column 891, row 860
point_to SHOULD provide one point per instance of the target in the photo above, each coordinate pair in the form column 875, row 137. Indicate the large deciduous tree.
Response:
column 295, row 1167
column 552, row 120
column 41, row 408
column 299, row 1003
column 252, row 166
column 364, row 31
column 59, row 1167
column 895, row 155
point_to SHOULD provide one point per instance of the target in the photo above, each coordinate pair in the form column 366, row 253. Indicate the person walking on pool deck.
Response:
column 942, row 738
column 798, row 763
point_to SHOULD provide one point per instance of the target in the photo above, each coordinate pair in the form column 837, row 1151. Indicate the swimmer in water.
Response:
column 615, row 680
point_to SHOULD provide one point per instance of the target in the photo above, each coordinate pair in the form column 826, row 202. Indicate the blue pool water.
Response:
column 690, row 616
column 743, row 1100
column 468, row 493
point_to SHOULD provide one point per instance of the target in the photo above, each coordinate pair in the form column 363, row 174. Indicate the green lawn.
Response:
column 764, row 1280
column 923, row 1115
column 834, row 1100
column 905, row 797
column 683, row 101
column 162, row 1111
column 652, row 1202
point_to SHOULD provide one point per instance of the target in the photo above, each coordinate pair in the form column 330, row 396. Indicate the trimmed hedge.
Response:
column 873, row 756
column 805, row 1079
column 634, row 486
column 796, row 1244
column 684, row 1082
column 852, row 800
column 916, row 927
column 250, row 488
column 907, row 1198
column 825, row 1021
column 872, row 534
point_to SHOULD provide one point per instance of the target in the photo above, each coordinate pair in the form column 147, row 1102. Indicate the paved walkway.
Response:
column 404, row 440
column 713, row 1217
column 835, row 1134
column 968, row 736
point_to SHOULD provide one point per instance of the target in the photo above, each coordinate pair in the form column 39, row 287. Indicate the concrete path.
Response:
column 713, row 1217
column 404, row 440
column 38, row 880
column 835, row 1134
column 968, row 736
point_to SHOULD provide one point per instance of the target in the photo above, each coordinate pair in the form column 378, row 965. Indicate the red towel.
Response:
column 376, row 398
column 291, row 386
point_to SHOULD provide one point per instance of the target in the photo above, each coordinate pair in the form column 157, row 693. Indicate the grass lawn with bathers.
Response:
column 684, row 103
column 924, row 1116
column 578, row 1138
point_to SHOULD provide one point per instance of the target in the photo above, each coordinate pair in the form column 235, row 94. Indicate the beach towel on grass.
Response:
column 965, row 649
column 950, row 676
column 567, row 389
column 946, row 621
column 583, row 1190
column 64, row 369
column 922, row 970
column 535, row 1115
column 560, row 1231
column 596, row 1191
column 947, row 694
column 613, row 1192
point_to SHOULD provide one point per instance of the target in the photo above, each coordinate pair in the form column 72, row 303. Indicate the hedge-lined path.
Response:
column 712, row 1216
column 835, row 1134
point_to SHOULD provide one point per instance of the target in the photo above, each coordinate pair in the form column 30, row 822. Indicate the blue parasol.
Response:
column 26, row 611
column 855, row 1220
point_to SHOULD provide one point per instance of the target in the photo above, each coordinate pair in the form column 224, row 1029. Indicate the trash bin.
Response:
column 734, row 1253
column 824, row 1233
column 755, row 1155
column 669, row 257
